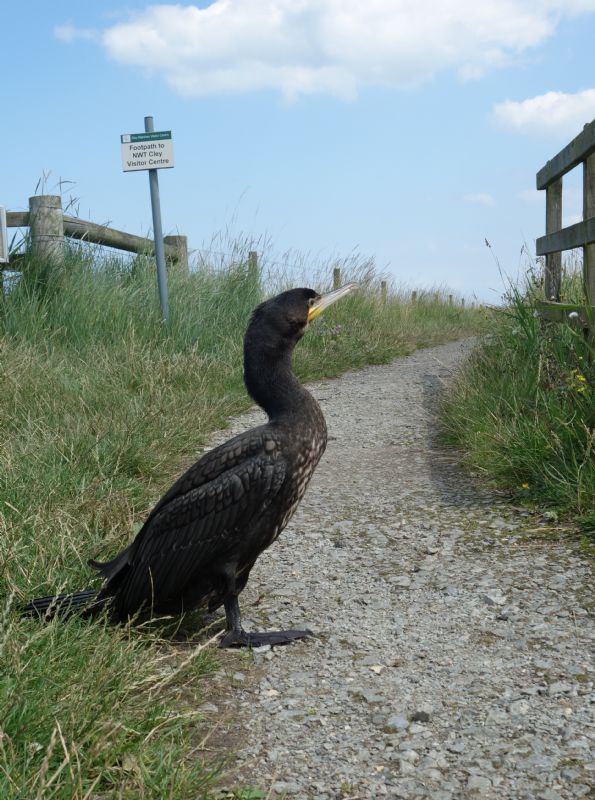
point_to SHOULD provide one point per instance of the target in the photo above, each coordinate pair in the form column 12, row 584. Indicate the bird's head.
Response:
column 275, row 328
column 283, row 319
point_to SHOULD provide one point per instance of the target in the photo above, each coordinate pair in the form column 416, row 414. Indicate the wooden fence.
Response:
column 557, row 239
column 49, row 226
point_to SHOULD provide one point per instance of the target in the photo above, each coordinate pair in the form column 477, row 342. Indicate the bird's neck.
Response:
column 272, row 383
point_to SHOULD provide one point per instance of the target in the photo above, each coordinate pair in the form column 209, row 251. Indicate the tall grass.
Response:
column 101, row 407
column 523, row 410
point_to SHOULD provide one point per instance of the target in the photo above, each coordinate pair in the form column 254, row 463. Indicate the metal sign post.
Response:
column 158, row 233
column 151, row 151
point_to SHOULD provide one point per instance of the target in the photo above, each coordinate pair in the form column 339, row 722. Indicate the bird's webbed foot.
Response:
column 240, row 638
column 236, row 636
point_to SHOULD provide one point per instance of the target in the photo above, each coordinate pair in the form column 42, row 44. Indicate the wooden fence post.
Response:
column 179, row 250
column 449, row 299
column 253, row 262
column 553, row 222
column 336, row 277
column 46, row 223
column 414, row 297
column 463, row 302
column 589, row 211
column 383, row 291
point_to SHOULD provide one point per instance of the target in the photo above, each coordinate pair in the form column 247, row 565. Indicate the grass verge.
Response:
column 101, row 408
column 523, row 408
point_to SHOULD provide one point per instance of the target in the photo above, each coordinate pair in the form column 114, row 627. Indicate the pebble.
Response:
column 395, row 723
column 451, row 655
column 519, row 707
column 479, row 784
column 559, row 688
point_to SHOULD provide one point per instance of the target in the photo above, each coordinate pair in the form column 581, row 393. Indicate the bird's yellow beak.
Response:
column 326, row 300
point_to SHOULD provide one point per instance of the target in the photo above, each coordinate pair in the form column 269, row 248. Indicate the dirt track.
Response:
column 451, row 656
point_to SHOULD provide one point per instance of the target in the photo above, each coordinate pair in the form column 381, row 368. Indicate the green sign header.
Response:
column 127, row 138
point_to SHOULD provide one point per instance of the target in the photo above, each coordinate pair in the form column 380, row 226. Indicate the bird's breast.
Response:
column 306, row 461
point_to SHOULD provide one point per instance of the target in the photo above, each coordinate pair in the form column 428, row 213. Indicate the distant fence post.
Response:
column 553, row 222
column 449, row 299
column 177, row 246
column 46, row 223
column 463, row 302
column 588, row 212
column 253, row 263
column 414, row 297
column 336, row 277
column 383, row 291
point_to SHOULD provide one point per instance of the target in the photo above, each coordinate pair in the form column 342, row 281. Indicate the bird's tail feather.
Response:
column 85, row 603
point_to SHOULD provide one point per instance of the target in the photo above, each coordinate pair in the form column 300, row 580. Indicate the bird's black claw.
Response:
column 261, row 638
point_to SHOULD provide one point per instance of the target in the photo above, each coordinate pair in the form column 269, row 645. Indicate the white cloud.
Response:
column 554, row 113
column 480, row 199
column 330, row 46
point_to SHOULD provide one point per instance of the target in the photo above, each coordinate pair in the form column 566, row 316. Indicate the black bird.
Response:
column 200, row 541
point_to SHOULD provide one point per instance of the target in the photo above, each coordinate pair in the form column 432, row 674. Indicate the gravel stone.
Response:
column 395, row 723
column 404, row 614
column 559, row 688
column 479, row 784
column 420, row 716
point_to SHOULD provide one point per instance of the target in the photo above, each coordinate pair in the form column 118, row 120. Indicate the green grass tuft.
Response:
column 523, row 409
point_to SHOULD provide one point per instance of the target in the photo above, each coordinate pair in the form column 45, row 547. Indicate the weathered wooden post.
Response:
column 449, row 299
column 3, row 241
column 463, row 302
column 553, row 222
column 383, row 291
column 46, row 224
column 253, row 263
column 414, row 297
column 178, row 249
column 336, row 277
column 588, row 212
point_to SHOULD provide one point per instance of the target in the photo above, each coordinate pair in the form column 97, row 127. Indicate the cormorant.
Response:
column 200, row 541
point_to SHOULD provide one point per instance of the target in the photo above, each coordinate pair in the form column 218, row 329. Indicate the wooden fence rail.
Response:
column 49, row 226
column 557, row 239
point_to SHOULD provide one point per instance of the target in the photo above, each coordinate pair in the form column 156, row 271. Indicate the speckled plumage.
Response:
column 200, row 542
column 234, row 502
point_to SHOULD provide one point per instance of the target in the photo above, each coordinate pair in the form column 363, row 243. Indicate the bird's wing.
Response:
column 217, row 461
column 195, row 530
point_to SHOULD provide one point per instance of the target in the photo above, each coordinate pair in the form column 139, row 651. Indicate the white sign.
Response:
column 3, row 237
column 147, row 151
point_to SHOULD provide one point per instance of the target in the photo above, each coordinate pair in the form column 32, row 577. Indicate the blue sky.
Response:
column 410, row 132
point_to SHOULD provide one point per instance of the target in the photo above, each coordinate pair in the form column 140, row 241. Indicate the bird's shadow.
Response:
column 184, row 630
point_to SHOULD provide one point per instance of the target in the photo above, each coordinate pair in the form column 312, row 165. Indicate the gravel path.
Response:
column 453, row 645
